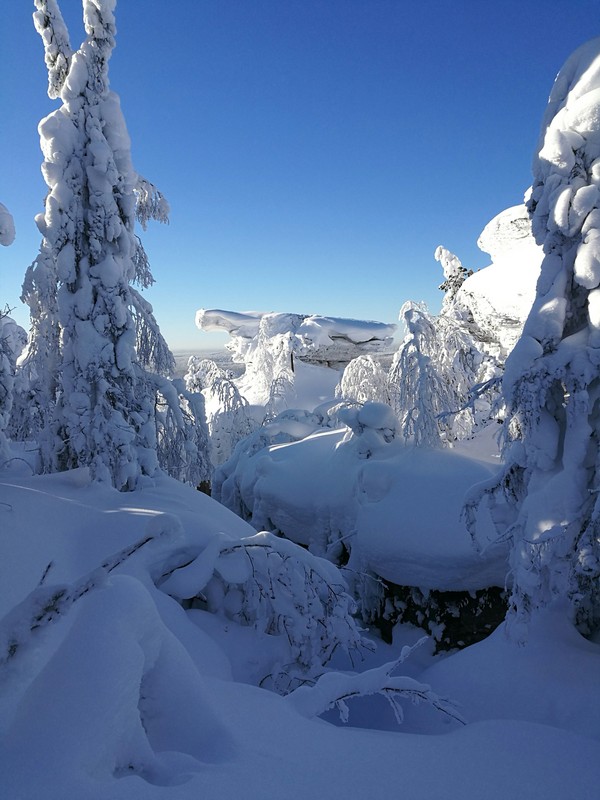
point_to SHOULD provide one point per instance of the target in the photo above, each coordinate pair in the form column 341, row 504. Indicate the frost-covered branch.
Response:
column 50, row 25
column 334, row 689
column 279, row 589
column 46, row 604
column 150, row 203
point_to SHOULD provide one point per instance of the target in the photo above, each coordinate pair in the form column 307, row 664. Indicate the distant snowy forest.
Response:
column 339, row 568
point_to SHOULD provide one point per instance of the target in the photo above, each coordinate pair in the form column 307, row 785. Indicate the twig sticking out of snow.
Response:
column 46, row 604
column 333, row 689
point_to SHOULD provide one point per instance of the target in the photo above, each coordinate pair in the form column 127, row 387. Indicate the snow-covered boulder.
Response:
column 499, row 297
column 330, row 341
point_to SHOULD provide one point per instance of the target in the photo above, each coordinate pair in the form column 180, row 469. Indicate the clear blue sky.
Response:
column 314, row 152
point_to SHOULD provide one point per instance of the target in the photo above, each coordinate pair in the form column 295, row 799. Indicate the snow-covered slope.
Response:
column 126, row 696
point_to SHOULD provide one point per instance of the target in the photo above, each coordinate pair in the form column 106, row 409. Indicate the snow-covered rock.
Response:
column 315, row 339
column 500, row 296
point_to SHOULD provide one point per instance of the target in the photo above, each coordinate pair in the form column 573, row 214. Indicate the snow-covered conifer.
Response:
column 364, row 379
column 8, row 343
column 36, row 383
column 431, row 377
column 182, row 431
column 228, row 415
column 93, row 334
column 550, row 482
column 104, row 412
column 12, row 339
column 454, row 273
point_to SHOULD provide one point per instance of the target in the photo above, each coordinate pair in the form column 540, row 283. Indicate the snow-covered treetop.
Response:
column 315, row 338
column 451, row 264
column 575, row 94
column 7, row 226
column 50, row 25
column 454, row 273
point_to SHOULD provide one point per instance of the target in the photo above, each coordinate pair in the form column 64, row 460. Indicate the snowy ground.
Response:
column 128, row 696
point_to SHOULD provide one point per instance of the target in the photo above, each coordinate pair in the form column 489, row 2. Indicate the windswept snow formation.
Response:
column 314, row 339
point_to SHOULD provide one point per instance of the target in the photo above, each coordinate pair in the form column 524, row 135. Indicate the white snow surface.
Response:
column 128, row 696
column 398, row 505
column 501, row 295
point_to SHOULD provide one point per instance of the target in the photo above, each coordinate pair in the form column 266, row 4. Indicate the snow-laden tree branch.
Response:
column 279, row 589
column 334, row 689
column 47, row 604
column 50, row 25
column 150, row 203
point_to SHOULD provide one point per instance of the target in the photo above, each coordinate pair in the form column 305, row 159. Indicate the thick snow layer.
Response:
column 314, row 338
column 126, row 697
column 315, row 329
column 500, row 296
column 399, row 505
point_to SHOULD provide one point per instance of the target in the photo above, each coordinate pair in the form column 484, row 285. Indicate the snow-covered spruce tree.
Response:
column 98, row 408
column 552, row 381
column 228, row 417
column 431, row 377
column 12, row 342
column 364, row 379
column 454, row 273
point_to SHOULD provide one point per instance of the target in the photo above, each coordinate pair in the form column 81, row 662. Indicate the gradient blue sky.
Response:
column 314, row 152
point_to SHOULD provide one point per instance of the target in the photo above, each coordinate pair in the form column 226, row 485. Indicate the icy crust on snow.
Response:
column 499, row 297
column 314, row 338
column 396, row 507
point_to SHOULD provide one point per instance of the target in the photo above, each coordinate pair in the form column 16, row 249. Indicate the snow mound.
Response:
column 398, row 506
